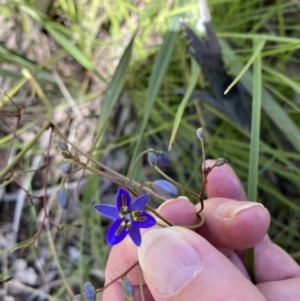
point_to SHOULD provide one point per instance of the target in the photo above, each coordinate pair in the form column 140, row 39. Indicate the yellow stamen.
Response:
column 120, row 229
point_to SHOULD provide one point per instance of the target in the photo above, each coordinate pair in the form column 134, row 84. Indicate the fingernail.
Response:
column 231, row 209
column 168, row 261
column 172, row 201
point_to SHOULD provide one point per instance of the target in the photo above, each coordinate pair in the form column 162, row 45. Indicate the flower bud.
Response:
column 200, row 133
column 164, row 158
column 165, row 188
column 152, row 159
column 63, row 145
column 66, row 154
column 220, row 162
column 63, row 197
column 128, row 288
column 89, row 291
column 67, row 168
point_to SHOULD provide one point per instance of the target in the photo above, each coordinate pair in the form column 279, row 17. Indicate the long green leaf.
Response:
column 283, row 79
column 160, row 68
column 255, row 125
column 73, row 50
column 181, row 108
column 254, row 142
column 269, row 105
column 256, row 52
column 115, row 87
column 266, row 37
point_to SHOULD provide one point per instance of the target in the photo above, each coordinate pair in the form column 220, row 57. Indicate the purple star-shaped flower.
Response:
column 129, row 216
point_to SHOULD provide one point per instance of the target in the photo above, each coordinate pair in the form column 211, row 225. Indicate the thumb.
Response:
column 178, row 264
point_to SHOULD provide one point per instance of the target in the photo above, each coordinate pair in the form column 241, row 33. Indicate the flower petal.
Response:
column 112, row 237
column 152, row 159
column 135, row 235
column 150, row 221
column 123, row 199
column 165, row 188
column 109, row 211
column 164, row 158
column 140, row 203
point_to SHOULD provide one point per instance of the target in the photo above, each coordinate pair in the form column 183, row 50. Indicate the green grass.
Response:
column 95, row 55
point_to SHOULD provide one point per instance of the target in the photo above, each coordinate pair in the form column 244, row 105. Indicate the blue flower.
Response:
column 129, row 216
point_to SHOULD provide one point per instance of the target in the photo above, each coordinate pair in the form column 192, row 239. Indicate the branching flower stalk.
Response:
column 103, row 166
column 128, row 215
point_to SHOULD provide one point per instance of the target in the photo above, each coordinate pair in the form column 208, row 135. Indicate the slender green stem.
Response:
column 148, row 183
column 141, row 284
column 159, row 216
column 54, row 253
column 254, row 144
column 135, row 161
column 101, row 173
column 63, row 180
column 101, row 165
column 162, row 225
column 201, row 223
column 203, row 152
column 99, row 290
column 174, row 182
column 39, row 92
column 250, row 263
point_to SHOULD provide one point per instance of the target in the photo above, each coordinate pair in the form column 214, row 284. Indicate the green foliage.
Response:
column 90, row 46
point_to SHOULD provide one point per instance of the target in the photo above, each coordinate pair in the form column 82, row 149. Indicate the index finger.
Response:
column 271, row 262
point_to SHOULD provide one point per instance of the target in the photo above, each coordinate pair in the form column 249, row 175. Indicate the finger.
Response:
column 121, row 257
column 180, row 211
column 234, row 225
column 276, row 272
column 227, row 235
column 179, row 265
column 223, row 182
column 272, row 263
column 287, row 290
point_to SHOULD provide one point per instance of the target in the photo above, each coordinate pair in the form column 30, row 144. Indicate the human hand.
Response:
column 180, row 264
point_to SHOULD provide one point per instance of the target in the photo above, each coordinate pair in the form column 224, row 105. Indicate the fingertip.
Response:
column 223, row 182
column 168, row 261
column 234, row 224
column 179, row 211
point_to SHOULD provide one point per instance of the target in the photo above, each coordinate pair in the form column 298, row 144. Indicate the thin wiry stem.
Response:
column 21, row 154
column 99, row 290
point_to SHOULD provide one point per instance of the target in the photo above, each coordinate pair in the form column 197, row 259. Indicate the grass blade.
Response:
column 269, row 105
column 73, row 50
column 255, row 128
column 160, row 68
column 115, row 88
column 254, row 143
column 181, row 108
column 256, row 52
